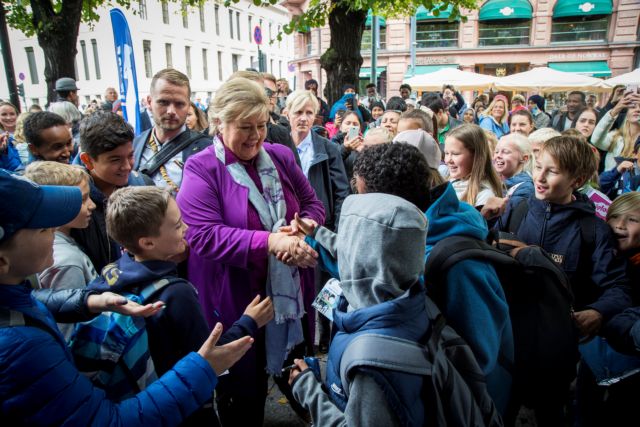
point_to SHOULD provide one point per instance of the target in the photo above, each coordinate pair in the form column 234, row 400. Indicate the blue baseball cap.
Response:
column 26, row 204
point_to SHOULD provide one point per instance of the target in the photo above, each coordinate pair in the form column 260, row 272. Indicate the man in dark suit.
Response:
column 160, row 152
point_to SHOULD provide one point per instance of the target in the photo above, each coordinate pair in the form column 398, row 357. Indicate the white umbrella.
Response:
column 631, row 78
column 543, row 79
column 462, row 80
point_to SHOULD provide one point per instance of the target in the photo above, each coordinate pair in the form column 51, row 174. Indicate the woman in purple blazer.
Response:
column 234, row 197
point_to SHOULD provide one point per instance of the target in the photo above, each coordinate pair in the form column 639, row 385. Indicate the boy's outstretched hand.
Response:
column 109, row 301
column 260, row 311
column 588, row 321
column 225, row 356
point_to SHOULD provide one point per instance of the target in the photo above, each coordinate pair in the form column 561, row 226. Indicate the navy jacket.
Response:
column 613, row 182
column 328, row 178
column 180, row 327
column 10, row 159
column 599, row 283
column 140, row 141
column 40, row 385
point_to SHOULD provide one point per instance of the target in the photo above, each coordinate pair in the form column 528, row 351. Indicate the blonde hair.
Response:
column 247, row 74
column 624, row 132
column 172, row 76
column 237, row 99
column 489, row 109
column 298, row 99
column 492, row 140
column 524, row 147
column 18, row 135
column 136, row 212
column 55, row 173
column 473, row 138
column 623, row 204
column 542, row 135
column 381, row 132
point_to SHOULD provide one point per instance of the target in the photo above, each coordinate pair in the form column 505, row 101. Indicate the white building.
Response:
column 208, row 44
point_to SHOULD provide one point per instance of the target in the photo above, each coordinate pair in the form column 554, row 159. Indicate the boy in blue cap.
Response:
column 37, row 390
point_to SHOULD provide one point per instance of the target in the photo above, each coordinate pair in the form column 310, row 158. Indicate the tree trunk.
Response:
column 342, row 60
column 57, row 36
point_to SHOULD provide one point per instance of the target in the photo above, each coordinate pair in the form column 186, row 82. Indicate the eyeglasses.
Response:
column 269, row 93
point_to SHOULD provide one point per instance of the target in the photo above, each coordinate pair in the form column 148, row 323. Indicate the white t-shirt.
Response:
column 460, row 187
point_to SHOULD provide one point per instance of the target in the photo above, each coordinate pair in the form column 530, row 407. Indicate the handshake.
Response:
column 288, row 243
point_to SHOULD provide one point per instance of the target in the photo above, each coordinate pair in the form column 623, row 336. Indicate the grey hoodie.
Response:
column 380, row 250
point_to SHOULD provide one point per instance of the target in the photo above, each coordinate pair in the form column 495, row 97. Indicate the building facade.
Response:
column 208, row 43
column 594, row 37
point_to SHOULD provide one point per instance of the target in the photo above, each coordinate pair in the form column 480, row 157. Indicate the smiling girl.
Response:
column 468, row 159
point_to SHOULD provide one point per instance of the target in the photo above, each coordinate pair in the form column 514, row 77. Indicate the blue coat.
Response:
column 556, row 228
column 10, row 159
column 40, row 385
column 525, row 188
column 610, row 182
column 474, row 303
column 489, row 123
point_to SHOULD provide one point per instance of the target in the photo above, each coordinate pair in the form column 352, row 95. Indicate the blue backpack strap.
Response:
column 157, row 286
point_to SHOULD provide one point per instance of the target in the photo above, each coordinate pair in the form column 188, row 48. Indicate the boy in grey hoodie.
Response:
column 380, row 256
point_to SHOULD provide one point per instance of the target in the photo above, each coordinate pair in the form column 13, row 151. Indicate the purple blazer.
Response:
column 225, row 255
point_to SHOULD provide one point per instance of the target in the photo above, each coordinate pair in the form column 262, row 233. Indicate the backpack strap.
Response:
column 155, row 287
column 517, row 216
column 167, row 152
column 384, row 352
column 10, row 318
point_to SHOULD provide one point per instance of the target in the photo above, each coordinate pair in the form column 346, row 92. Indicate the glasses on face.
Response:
column 269, row 92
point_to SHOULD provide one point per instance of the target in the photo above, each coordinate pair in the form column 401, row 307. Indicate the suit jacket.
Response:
column 198, row 144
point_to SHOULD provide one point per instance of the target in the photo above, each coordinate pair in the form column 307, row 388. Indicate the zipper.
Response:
column 547, row 216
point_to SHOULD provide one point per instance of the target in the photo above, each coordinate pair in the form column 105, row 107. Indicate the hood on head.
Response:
column 380, row 248
column 448, row 216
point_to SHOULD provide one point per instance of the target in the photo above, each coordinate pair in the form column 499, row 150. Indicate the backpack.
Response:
column 113, row 349
column 454, row 391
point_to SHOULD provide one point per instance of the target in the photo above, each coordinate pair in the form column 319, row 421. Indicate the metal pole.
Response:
column 374, row 50
column 412, row 48
column 8, row 59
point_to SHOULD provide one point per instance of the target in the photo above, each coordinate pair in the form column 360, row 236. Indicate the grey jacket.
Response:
column 328, row 178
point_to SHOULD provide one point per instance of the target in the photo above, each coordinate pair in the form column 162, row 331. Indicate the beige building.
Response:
column 600, row 38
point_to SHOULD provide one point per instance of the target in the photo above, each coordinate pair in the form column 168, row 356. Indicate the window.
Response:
column 430, row 34
column 504, row 33
column 216, row 15
column 165, row 11
column 185, row 15
column 75, row 67
column 279, row 31
column 280, row 69
column 96, row 59
column 85, row 60
column 201, row 9
column 87, row 99
column 35, row 101
column 250, row 19
column 366, row 38
column 309, row 46
column 33, row 69
column 220, row 66
column 231, row 24
column 270, row 28
column 235, row 59
column 187, row 59
column 146, row 50
column 168, row 53
column 205, row 65
column 251, row 59
column 579, row 29
column 271, row 66
column 238, row 25
column 142, row 9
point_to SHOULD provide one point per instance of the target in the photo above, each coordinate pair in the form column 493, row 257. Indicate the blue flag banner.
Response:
column 126, row 69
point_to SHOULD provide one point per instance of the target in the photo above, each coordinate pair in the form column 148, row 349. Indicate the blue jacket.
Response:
column 524, row 191
column 611, row 185
column 474, row 303
column 341, row 104
column 180, row 327
column 489, row 123
column 402, row 317
column 10, row 159
column 39, row 384
column 598, row 283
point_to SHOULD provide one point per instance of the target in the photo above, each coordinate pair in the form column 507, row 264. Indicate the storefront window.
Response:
column 579, row 30
column 431, row 34
column 366, row 38
column 504, row 33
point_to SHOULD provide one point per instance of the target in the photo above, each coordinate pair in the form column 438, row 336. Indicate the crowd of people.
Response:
column 240, row 212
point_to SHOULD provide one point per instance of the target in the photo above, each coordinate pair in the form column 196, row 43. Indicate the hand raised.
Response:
column 260, row 311
column 223, row 357
column 109, row 301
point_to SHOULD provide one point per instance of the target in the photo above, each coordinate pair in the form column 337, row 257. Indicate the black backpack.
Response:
column 454, row 391
column 540, row 307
